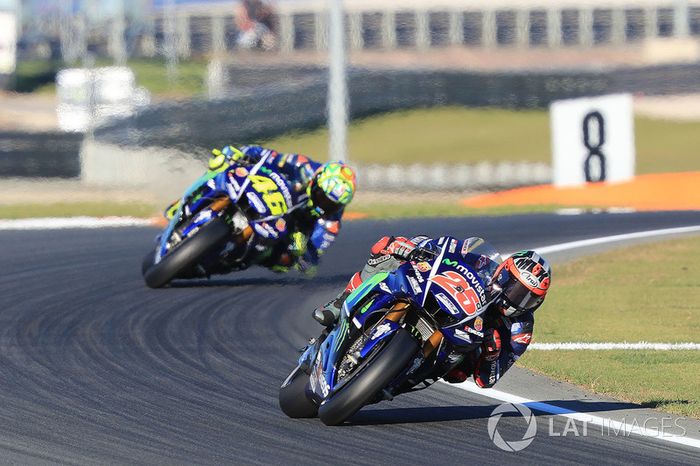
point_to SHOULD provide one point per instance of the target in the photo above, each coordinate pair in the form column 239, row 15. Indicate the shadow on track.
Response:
column 420, row 415
column 581, row 406
column 464, row 413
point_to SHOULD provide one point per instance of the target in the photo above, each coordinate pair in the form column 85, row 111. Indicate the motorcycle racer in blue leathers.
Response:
column 517, row 287
column 322, row 192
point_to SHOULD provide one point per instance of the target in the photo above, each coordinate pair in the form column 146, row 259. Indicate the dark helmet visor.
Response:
column 320, row 200
column 515, row 294
column 518, row 295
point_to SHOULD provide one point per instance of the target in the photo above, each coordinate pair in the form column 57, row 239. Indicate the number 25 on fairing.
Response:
column 455, row 284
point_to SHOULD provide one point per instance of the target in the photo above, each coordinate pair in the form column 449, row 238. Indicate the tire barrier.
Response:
column 39, row 155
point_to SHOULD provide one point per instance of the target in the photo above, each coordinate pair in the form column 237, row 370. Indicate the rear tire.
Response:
column 185, row 255
column 293, row 399
column 391, row 360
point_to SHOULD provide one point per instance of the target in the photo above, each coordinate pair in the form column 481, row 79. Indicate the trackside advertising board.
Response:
column 592, row 139
column 8, row 42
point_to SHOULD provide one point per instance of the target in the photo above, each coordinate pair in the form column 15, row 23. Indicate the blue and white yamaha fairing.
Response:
column 227, row 220
column 396, row 331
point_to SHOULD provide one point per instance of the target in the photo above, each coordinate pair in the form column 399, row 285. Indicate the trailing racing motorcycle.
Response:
column 397, row 332
column 225, row 221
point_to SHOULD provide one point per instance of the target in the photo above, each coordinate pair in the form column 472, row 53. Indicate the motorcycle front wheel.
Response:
column 293, row 397
column 393, row 358
column 185, row 255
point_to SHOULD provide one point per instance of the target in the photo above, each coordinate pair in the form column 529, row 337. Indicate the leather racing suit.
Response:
column 310, row 234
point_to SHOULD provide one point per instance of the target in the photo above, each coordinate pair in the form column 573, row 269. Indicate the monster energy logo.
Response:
column 366, row 306
column 342, row 333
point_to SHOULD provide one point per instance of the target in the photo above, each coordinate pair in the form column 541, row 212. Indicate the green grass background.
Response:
column 39, row 76
column 642, row 293
column 473, row 135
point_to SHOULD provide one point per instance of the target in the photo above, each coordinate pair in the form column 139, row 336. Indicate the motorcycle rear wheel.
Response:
column 369, row 380
column 185, row 255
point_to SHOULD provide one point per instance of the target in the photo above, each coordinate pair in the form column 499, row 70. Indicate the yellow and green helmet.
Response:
column 331, row 188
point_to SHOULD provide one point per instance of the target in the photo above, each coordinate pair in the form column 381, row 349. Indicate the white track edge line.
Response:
column 642, row 345
column 616, row 238
column 596, row 420
column 57, row 223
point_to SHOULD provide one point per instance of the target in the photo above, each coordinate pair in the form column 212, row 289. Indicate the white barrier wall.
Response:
column 8, row 41
column 423, row 24
column 166, row 172
column 592, row 139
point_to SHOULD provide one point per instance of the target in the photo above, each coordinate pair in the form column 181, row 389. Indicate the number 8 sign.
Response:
column 592, row 139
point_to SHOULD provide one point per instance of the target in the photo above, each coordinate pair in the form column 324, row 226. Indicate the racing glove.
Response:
column 491, row 346
column 399, row 247
column 221, row 159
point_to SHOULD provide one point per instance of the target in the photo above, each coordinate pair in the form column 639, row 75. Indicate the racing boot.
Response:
column 461, row 371
column 327, row 315
column 456, row 375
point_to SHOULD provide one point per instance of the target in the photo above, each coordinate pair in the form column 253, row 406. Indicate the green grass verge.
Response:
column 447, row 134
column 39, row 76
column 643, row 293
column 663, row 380
column 36, row 76
column 92, row 209
column 152, row 74
column 468, row 135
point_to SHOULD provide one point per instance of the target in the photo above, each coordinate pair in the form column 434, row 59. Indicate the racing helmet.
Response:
column 522, row 280
column 331, row 188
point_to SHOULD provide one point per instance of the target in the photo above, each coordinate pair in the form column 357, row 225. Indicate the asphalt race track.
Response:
column 97, row 368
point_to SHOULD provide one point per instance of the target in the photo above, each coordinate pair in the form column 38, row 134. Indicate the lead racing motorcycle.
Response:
column 397, row 332
column 225, row 221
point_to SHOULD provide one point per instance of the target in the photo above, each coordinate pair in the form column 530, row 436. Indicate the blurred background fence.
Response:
column 256, row 114
column 122, row 28
column 252, row 113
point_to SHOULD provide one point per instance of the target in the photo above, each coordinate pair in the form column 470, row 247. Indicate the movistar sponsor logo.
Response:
column 283, row 187
column 473, row 279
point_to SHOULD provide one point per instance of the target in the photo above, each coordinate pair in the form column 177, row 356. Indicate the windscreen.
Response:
column 481, row 247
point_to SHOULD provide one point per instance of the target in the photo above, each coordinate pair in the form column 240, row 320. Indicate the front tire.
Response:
column 293, row 399
column 391, row 360
column 185, row 255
